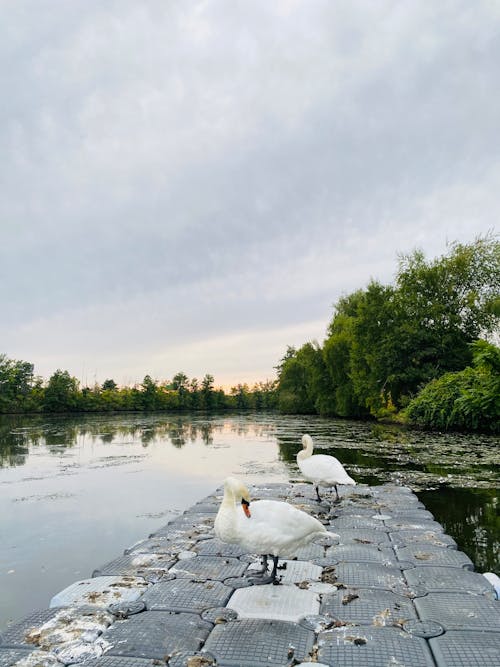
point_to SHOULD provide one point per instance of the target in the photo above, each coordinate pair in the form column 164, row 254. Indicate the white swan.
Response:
column 321, row 469
column 270, row 527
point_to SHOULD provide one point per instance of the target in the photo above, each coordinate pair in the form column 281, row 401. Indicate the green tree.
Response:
column 109, row 385
column 180, row 383
column 207, row 391
column 61, row 393
column 304, row 385
column 194, row 391
column 337, row 351
column 241, row 396
column 149, row 393
column 16, row 384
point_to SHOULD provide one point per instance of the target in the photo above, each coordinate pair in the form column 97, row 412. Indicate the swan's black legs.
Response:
column 317, row 493
column 271, row 578
column 273, row 572
column 337, row 498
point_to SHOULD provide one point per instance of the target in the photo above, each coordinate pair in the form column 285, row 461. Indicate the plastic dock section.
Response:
column 391, row 591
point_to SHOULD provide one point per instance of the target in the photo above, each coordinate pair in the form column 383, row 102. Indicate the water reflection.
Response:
column 474, row 522
column 18, row 434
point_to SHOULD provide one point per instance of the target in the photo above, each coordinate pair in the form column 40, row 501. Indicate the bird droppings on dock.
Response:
column 390, row 588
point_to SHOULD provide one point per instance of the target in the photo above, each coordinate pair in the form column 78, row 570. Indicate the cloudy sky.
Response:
column 191, row 185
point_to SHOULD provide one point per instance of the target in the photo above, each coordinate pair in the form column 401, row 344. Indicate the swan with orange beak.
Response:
column 264, row 527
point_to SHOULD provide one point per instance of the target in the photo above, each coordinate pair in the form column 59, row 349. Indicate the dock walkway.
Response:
column 391, row 591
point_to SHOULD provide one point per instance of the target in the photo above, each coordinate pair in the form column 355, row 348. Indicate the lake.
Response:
column 76, row 491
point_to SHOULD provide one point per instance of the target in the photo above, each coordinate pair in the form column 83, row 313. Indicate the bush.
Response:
column 466, row 400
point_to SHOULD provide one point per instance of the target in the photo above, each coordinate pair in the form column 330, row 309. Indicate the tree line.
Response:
column 23, row 392
column 420, row 350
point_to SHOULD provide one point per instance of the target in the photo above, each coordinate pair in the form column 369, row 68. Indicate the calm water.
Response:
column 75, row 492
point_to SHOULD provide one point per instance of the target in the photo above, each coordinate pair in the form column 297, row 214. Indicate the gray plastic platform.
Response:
column 54, row 628
column 460, row 611
column 373, row 647
column 10, row 656
column 450, row 579
column 258, row 643
column 186, row 528
column 156, row 634
column 206, row 507
column 386, row 553
column 189, row 596
column 396, row 503
column 161, row 545
column 283, row 603
column 15, row 635
column 422, row 555
column 195, row 520
column 310, row 552
column 215, row 547
column 407, row 523
column 363, row 536
column 191, row 659
column 118, row 661
column 100, row 591
column 135, row 565
column 403, row 538
column 291, row 571
column 355, row 522
column 350, row 509
column 467, row 649
column 371, row 575
column 208, row 567
column 413, row 513
column 270, row 491
column 368, row 607
column 359, row 553
column 219, row 615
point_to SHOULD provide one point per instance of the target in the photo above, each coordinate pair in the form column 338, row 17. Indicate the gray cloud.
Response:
column 178, row 175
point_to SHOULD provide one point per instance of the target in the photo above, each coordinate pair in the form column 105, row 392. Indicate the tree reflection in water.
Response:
column 471, row 516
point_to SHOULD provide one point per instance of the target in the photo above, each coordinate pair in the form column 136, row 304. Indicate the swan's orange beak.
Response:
column 245, row 504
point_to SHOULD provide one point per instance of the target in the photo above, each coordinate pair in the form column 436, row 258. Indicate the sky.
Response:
column 191, row 186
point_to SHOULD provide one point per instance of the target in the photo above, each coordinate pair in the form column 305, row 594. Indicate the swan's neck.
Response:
column 226, row 517
column 306, row 452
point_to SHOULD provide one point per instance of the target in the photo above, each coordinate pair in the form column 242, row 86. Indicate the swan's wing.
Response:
column 276, row 527
column 325, row 468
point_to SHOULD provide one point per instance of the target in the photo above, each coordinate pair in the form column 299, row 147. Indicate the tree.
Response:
column 61, row 393
column 180, row 383
column 452, row 298
column 149, row 393
column 242, row 396
column 207, row 391
column 303, row 383
column 375, row 353
column 194, row 391
column 16, row 383
column 109, row 385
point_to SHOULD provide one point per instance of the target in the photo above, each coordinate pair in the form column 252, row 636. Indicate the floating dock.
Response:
column 391, row 591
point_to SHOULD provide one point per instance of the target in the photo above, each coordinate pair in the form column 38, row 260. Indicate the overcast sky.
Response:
column 192, row 185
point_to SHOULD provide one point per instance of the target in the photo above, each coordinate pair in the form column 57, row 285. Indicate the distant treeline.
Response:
column 411, row 351
column 23, row 392
column 415, row 352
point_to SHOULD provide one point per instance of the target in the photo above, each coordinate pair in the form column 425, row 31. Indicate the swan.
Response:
column 269, row 528
column 321, row 469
